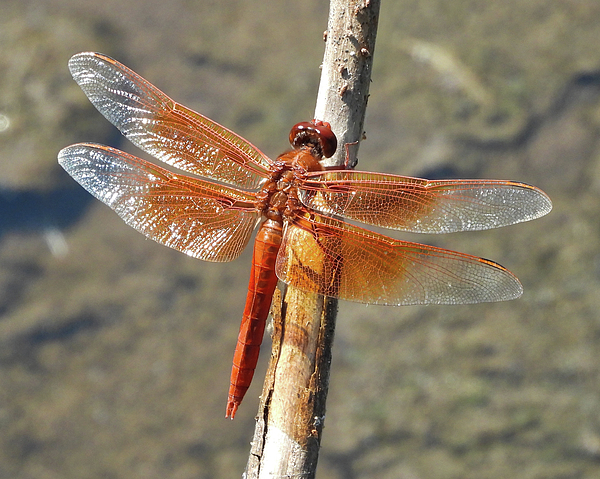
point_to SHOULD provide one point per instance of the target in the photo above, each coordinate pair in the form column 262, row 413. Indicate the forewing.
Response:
column 423, row 206
column 165, row 129
column 202, row 219
column 335, row 259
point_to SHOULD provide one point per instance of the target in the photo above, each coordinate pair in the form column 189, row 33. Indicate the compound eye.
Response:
column 316, row 133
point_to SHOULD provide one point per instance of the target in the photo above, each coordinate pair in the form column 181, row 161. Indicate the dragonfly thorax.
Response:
column 278, row 197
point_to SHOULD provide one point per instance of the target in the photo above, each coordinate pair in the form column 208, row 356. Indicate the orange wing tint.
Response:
column 165, row 129
column 336, row 259
column 423, row 206
column 202, row 219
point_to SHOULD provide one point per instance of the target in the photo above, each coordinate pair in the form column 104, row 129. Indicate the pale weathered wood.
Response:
column 291, row 415
column 346, row 72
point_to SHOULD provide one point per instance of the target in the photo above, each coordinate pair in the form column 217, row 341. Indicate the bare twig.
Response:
column 292, row 410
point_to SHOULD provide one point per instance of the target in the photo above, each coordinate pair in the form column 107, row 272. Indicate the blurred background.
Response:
column 115, row 351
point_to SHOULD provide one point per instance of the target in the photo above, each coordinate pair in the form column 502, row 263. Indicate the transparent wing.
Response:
column 165, row 129
column 202, row 219
column 423, row 206
column 336, row 259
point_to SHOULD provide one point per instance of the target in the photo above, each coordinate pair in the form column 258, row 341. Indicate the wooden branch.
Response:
column 291, row 415
column 346, row 72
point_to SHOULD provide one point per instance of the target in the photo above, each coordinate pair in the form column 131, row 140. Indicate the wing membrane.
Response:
column 335, row 259
column 202, row 219
column 165, row 129
column 423, row 206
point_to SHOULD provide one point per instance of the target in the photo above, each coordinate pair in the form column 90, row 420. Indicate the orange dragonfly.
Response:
column 302, row 240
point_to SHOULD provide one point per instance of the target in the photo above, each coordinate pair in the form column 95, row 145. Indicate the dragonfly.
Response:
column 305, row 213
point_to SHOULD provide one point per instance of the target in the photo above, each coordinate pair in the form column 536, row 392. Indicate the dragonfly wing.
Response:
column 336, row 259
column 202, row 219
column 423, row 206
column 165, row 129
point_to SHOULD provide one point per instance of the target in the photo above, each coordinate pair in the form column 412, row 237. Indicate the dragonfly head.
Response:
column 316, row 134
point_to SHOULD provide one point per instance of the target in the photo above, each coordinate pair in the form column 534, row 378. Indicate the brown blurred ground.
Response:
column 115, row 352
